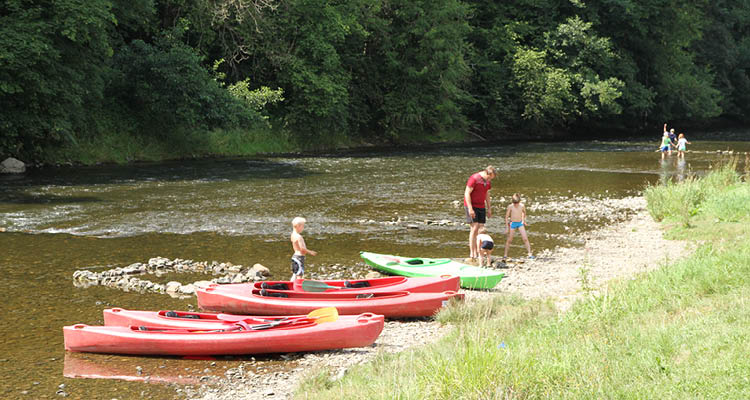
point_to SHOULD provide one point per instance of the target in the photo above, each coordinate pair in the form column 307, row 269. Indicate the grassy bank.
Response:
column 124, row 148
column 680, row 331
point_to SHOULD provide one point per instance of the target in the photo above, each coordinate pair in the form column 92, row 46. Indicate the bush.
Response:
column 167, row 88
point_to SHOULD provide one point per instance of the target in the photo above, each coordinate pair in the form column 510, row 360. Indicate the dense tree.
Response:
column 327, row 72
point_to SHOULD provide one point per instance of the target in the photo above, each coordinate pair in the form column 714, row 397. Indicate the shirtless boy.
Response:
column 300, row 250
column 515, row 218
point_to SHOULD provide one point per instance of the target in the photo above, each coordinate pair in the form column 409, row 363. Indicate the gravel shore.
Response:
column 619, row 251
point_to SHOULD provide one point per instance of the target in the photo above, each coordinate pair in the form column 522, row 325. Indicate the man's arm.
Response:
column 488, row 204
column 467, row 200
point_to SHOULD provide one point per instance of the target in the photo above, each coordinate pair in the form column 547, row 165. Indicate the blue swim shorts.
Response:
column 516, row 225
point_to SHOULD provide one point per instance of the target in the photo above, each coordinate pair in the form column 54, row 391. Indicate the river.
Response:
column 55, row 221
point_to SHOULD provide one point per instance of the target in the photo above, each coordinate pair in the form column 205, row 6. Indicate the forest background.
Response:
column 120, row 80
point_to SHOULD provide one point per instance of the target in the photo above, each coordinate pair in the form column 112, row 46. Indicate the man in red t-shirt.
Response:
column 477, row 204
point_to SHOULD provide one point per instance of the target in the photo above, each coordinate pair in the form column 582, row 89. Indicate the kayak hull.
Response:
column 471, row 277
column 305, row 335
column 390, row 304
column 440, row 283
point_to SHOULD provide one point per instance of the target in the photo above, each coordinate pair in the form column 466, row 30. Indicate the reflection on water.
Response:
column 54, row 222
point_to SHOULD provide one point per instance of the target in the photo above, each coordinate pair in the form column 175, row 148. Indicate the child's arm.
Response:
column 303, row 248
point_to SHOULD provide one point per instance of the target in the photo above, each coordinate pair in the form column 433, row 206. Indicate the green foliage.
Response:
column 562, row 83
column 51, row 71
column 364, row 70
column 165, row 86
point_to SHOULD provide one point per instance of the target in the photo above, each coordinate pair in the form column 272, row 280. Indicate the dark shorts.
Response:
column 298, row 265
column 487, row 245
column 480, row 215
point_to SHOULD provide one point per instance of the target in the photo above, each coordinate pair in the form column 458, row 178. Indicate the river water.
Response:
column 55, row 221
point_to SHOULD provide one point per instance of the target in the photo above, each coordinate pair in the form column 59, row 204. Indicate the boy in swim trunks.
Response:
column 300, row 250
column 515, row 218
column 485, row 244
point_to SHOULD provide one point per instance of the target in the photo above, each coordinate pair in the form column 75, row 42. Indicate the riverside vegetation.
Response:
column 676, row 332
column 122, row 80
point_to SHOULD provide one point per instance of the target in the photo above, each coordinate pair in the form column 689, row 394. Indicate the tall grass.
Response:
column 680, row 331
column 682, row 200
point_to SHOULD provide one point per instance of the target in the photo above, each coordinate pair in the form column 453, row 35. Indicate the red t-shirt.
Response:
column 479, row 194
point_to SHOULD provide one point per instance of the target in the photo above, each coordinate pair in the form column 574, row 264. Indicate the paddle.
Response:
column 320, row 315
column 316, row 286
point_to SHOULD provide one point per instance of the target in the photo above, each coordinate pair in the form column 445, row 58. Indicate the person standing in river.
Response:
column 515, row 218
column 300, row 249
column 477, row 204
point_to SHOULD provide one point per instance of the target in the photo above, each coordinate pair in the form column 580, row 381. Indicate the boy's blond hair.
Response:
column 298, row 221
column 482, row 230
column 516, row 198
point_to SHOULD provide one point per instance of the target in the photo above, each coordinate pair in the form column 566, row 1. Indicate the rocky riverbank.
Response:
column 619, row 251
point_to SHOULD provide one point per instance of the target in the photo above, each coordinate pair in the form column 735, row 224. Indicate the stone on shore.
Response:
column 172, row 287
column 260, row 270
column 373, row 275
column 12, row 166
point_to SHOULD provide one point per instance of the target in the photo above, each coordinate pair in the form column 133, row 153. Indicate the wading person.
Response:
column 477, row 205
column 515, row 218
column 300, row 249
column 682, row 143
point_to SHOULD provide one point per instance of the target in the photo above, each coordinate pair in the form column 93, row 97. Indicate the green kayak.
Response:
column 471, row 277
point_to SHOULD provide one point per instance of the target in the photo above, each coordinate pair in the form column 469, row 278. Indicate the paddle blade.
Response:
column 321, row 315
column 315, row 286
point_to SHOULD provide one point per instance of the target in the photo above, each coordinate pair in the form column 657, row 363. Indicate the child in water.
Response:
column 485, row 244
column 300, row 250
column 666, row 145
column 681, row 142
column 515, row 218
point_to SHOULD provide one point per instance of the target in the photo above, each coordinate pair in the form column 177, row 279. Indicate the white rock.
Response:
column 259, row 269
column 172, row 287
column 12, row 166
column 187, row 289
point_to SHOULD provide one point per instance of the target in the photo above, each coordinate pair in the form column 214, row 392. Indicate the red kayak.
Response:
column 387, row 284
column 278, row 302
column 298, row 335
column 187, row 319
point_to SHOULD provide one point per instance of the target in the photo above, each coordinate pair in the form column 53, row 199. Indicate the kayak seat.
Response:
column 365, row 296
column 415, row 261
column 173, row 314
column 264, row 292
column 274, row 286
column 356, row 284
